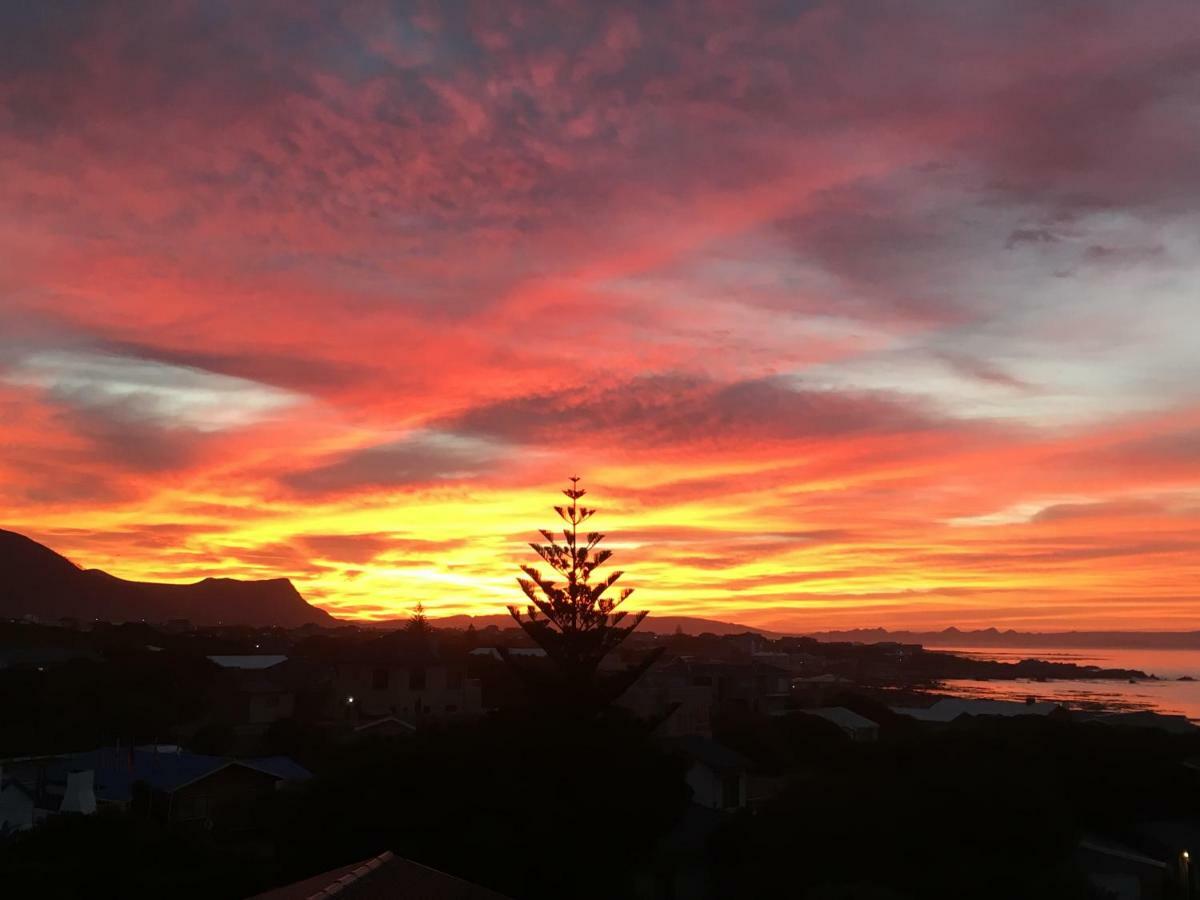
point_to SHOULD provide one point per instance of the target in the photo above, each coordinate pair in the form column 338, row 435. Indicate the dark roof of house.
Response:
column 384, row 723
column 252, row 661
column 383, row 876
column 20, row 785
column 282, row 767
column 842, row 717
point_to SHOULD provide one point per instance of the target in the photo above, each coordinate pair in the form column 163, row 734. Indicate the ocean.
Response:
column 1168, row 695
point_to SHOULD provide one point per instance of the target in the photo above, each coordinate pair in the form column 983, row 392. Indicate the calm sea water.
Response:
column 1167, row 696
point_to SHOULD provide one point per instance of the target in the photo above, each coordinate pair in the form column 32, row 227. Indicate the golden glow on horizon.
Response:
column 744, row 556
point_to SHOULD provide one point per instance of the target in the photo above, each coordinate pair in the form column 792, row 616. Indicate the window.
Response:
column 379, row 680
column 454, row 679
column 451, row 707
column 416, row 679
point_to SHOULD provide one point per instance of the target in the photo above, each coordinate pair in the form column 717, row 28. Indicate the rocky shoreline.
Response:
column 941, row 665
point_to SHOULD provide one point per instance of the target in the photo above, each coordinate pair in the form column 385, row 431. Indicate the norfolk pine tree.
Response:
column 418, row 622
column 570, row 617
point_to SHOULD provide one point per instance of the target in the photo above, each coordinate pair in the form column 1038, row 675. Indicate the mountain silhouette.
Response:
column 34, row 580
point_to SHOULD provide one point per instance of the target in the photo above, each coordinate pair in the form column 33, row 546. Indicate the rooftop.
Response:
column 842, row 717
column 383, row 876
column 249, row 661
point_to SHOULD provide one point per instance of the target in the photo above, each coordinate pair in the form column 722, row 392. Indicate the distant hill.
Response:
column 994, row 637
column 34, row 580
column 652, row 623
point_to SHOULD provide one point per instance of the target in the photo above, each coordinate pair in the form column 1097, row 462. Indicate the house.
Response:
column 1125, row 873
column 717, row 775
column 754, row 686
column 403, row 675
column 162, row 781
column 258, row 701
column 856, row 727
column 254, row 691
column 667, row 694
column 685, row 693
column 25, row 800
column 382, row 876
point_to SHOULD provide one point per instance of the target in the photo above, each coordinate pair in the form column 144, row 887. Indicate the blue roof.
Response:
column 283, row 767
column 117, row 769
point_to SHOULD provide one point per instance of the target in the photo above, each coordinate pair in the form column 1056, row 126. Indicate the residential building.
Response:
column 667, row 695
column 162, row 781
column 753, row 686
column 856, row 727
column 403, row 675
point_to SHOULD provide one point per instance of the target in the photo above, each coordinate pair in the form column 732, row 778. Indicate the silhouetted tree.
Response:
column 418, row 623
column 569, row 615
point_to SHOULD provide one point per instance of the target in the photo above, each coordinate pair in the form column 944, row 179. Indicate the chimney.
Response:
column 80, row 794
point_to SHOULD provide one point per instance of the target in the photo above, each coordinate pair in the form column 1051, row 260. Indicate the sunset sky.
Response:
column 849, row 314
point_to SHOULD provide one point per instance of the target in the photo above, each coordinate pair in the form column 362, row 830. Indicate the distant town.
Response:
column 213, row 731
